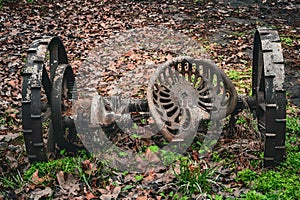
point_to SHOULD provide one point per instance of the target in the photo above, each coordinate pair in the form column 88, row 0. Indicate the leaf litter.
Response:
column 228, row 28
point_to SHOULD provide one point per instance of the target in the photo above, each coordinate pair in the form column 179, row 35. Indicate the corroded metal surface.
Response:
column 185, row 84
column 269, row 97
column 44, row 56
column 183, row 92
column 63, row 91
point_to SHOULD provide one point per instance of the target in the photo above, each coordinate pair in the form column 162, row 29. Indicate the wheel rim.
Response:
column 63, row 92
column 269, row 94
column 44, row 55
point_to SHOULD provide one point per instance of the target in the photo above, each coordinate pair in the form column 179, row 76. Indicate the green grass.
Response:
column 286, row 40
column 12, row 181
column 68, row 165
column 247, row 176
column 241, row 78
column 284, row 181
column 192, row 178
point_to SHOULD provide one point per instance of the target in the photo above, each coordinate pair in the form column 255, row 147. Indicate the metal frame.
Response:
column 176, row 82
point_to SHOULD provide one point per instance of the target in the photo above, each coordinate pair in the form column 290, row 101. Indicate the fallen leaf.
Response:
column 103, row 191
column 60, row 178
column 36, row 179
column 142, row 198
column 90, row 195
column 150, row 177
column 38, row 194
column 116, row 191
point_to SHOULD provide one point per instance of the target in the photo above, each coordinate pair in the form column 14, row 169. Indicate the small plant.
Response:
column 253, row 195
column 154, row 148
column 80, row 166
column 287, row 40
column 292, row 125
column 192, row 179
column 216, row 157
column 169, row 157
column 237, row 75
column 247, row 176
column 281, row 184
column 127, row 187
column 138, row 178
column 12, row 181
column 172, row 195
column 241, row 78
column 50, row 168
column 238, row 34
column 135, row 136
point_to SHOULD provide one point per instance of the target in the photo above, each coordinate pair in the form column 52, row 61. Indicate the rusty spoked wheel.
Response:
column 269, row 94
column 183, row 85
column 44, row 56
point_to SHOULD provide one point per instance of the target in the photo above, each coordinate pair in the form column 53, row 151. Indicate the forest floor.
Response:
column 223, row 29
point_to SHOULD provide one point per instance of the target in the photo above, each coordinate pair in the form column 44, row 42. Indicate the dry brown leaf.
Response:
column 151, row 176
column 103, row 191
column 90, row 195
column 36, row 179
column 151, row 156
column 60, row 178
column 142, row 198
column 38, row 194
column 116, row 191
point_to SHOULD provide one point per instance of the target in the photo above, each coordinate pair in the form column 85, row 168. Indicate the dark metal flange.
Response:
column 268, row 93
column 183, row 83
column 44, row 55
column 63, row 92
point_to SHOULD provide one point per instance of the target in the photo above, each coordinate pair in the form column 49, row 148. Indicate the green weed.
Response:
column 169, row 157
column 247, row 176
column 154, row 148
column 241, row 79
column 237, row 75
column 281, row 184
column 138, row 177
column 216, row 157
column 287, row 41
column 68, row 165
column 50, row 168
column 293, row 125
column 253, row 195
column 192, row 179
column 238, row 34
column 127, row 187
column 172, row 195
column 135, row 136
column 12, row 182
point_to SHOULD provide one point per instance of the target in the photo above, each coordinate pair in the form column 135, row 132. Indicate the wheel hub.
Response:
column 183, row 94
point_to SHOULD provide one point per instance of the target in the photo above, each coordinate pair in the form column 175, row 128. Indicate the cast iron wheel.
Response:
column 269, row 94
column 186, row 81
column 63, row 92
column 44, row 56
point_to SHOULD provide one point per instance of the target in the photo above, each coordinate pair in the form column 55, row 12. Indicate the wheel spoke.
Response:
column 196, row 82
